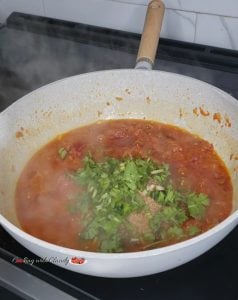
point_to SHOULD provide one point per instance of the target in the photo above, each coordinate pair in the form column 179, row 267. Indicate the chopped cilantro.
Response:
column 168, row 216
column 111, row 245
column 114, row 189
column 149, row 237
column 175, row 232
column 197, row 205
column 193, row 230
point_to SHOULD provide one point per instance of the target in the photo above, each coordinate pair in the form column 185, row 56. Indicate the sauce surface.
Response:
column 44, row 192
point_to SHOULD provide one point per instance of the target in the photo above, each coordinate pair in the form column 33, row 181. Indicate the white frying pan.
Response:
column 170, row 98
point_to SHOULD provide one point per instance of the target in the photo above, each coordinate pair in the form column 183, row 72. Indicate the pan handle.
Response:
column 150, row 35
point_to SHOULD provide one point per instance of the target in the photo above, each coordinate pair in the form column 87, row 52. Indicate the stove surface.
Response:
column 35, row 51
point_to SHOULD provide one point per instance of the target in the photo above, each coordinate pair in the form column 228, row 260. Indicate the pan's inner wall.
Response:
column 166, row 97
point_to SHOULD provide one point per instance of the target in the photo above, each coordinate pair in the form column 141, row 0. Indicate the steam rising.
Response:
column 29, row 61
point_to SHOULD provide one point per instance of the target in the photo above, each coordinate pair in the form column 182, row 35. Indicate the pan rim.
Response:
column 98, row 73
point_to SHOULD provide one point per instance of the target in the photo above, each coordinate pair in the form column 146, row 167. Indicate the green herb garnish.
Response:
column 115, row 189
column 193, row 230
column 197, row 205
column 62, row 152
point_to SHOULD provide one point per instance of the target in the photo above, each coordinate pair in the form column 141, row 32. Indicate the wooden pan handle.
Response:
column 151, row 32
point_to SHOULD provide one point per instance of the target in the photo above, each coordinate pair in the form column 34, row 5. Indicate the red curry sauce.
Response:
column 43, row 191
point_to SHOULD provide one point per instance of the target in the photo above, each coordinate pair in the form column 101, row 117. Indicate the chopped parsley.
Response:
column 116, row 189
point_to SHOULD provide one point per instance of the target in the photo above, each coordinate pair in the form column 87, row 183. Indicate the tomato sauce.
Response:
column 43, row 192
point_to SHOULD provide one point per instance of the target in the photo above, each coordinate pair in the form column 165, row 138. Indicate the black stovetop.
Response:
column 35, row 51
